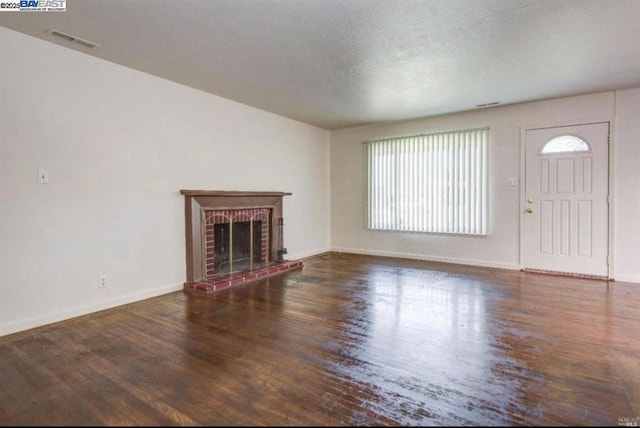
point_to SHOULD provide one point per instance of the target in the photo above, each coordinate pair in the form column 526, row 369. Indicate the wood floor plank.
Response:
column 346, row 340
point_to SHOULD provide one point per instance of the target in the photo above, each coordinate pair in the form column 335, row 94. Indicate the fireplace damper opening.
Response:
column 238, row 246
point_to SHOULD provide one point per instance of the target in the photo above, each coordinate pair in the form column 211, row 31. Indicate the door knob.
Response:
column 529, row 210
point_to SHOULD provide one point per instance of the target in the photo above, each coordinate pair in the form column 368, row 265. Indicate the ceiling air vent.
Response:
column 73, row 39
column 495, row 103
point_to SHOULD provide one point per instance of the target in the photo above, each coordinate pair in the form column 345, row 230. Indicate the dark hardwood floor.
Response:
column 347, row 340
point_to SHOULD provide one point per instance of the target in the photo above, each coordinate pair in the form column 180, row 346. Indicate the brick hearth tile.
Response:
column 221, row 285
column 203, row 287
column 237, row 281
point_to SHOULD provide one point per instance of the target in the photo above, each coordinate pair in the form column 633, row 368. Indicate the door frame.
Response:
column 611, row 184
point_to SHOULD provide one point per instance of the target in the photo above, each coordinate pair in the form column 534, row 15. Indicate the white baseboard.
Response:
column 627, row 278
column 481, row 263
column 308, row 254
column 84, row 310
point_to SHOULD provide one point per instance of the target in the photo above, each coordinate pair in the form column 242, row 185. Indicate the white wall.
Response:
column 501, row 247
column 627, row 185
column 119, row 145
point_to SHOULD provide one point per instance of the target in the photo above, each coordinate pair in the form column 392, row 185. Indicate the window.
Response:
column 565, row 144
column 428, row 183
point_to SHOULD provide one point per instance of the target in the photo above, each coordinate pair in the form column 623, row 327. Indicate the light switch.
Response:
column 512, row 181
column 43, row 176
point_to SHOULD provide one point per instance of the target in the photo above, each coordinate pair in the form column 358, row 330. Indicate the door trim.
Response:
column 611, row 185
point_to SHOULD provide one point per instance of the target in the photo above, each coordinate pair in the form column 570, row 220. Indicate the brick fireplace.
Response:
column 233, row 238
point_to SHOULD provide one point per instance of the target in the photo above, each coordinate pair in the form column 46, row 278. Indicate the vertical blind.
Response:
column 428, row 183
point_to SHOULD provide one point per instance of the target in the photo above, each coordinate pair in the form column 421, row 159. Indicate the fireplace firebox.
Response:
column 237, row 246
column 236, row 240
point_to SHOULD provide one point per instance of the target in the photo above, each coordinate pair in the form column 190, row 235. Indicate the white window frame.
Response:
column 433, row 183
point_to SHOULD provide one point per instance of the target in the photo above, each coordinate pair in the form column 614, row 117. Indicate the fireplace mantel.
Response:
column 231, row 193
column 198, row 201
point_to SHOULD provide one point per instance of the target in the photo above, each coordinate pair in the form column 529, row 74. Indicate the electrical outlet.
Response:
column 103, row 281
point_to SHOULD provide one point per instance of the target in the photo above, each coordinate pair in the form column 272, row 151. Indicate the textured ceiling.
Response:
column 340, row 63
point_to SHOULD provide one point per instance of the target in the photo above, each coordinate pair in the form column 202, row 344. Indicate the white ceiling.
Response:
column 340, row 63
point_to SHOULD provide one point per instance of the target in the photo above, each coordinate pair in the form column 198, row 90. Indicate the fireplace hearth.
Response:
column 233, row 238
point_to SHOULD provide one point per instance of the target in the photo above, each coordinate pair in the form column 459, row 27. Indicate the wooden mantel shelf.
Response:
column 187, row 192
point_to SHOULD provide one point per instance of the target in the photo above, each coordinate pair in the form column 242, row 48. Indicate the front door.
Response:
column 566, row 219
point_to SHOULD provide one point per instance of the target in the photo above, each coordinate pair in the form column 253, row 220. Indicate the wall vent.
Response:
column 495, row 103
column 73, row 39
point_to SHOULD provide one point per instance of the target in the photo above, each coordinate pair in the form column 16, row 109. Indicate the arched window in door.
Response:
column 565, row 144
